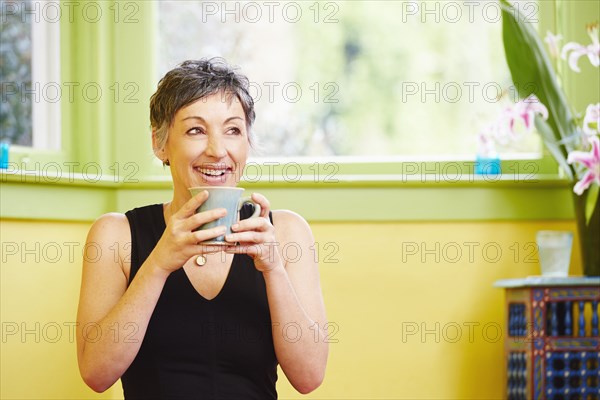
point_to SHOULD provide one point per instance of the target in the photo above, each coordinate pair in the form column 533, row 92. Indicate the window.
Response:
column 356, row 78
column 29, row 74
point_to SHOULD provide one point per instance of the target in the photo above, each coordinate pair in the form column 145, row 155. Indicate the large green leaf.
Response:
column 532, row 73
column 553, row 147
column 591, row 202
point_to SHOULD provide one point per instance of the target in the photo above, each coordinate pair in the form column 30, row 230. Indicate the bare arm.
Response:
column 297, row 307
column 293, row 290
column 112, row 318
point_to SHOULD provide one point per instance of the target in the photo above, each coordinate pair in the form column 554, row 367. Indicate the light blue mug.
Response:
column 229, row 198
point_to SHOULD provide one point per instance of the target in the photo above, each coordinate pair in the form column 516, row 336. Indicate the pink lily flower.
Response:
column 577, row 50
column 522, row 112
column 552, row 41
column 591, row 161
column 526, row 110
column 591, row 121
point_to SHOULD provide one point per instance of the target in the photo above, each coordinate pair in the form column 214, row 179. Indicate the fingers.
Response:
column 247, row 232
column 264, row 204
column 191, row 219
column 246, row 237
column 202, row 218
column 254, row 230
column 190, row 207
column 251, row 250
column 259, row 224
column 266, row 254
column 207, row 234
column 208, row 249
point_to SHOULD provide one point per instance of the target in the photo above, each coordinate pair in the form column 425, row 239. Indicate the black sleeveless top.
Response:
column 196, row 348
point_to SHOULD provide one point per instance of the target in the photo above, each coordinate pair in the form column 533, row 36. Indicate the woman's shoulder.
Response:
column 291, row 225
column 110, row 225
column 115, row 222
column 109, row 236
column 288, row 217
column 111, row 219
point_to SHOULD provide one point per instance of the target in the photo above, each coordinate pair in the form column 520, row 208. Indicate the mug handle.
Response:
column 257, row 208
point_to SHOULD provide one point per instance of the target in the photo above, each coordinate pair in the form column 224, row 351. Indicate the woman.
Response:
column 174, row 319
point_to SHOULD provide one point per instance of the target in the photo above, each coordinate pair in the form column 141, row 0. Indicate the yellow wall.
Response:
column 379, row 303
column 39, row 289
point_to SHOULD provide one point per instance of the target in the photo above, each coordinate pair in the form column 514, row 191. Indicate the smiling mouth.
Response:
column 213, row 171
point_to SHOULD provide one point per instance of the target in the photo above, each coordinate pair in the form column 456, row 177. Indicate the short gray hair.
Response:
column 193, row 80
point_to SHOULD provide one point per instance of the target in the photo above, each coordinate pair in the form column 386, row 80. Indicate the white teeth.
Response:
column 212, row 172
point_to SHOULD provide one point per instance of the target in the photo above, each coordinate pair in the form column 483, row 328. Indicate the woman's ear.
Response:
column 159, row 152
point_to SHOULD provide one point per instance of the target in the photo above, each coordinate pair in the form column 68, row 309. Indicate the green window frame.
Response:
column 107, row 164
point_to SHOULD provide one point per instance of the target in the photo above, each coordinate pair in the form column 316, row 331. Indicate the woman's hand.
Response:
column 256, row 237
column 293, row 290
column 180, row 242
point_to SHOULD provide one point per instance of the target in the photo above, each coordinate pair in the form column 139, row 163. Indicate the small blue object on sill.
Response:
column 487, row 166
column 4, row 147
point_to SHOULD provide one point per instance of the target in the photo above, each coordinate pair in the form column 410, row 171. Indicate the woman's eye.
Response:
column 195, row 131
column 234, row 131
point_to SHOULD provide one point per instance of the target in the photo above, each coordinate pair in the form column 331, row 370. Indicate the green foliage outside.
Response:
column 377, row 54
column 15, row 76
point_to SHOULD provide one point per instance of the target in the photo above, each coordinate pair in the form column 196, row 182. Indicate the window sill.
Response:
column 348, row 197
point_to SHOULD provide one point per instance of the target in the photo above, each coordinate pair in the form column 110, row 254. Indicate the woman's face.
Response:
column 208, row 143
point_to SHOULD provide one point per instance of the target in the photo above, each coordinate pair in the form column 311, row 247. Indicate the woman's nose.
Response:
column 216, row 147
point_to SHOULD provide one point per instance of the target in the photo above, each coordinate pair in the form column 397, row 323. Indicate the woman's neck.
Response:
column 175, row 204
